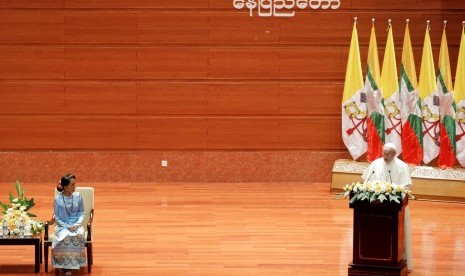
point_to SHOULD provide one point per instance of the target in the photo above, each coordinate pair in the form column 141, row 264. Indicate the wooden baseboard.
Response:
column 429, row 183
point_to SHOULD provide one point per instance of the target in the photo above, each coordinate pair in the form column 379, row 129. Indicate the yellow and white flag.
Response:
column 459, row 92
column 354, row 102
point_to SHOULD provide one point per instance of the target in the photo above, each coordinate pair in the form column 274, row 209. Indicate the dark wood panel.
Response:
column 32, row 98
column 31, row 133
column 100, row 27
column 100, row 133
column 31, row 62
column 172, row 133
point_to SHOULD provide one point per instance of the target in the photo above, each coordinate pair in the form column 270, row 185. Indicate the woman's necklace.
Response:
column 64, row 203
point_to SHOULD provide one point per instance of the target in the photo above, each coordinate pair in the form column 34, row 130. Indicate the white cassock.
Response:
column 396, row 172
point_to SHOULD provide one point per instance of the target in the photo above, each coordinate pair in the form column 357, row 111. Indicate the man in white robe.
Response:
column 390, row 169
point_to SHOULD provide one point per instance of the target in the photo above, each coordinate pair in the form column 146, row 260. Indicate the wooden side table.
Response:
column 28, row 240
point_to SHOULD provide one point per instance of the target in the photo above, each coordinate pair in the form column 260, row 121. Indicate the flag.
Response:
column 446, row 107
column 375, row 109
column 354, row 102
column 412, row 139
column 429, row 102
column 390, row 88
column 459, row 92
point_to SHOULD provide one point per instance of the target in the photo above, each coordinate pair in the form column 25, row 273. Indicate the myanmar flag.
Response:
column 459, row 91
column 446, row 108
column 375, row 119
column 412, row 139
column 354, row 102
column 389, row 85
column 429, row 102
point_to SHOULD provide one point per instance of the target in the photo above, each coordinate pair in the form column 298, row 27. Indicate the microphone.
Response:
column 372, row 173
column 390, row 178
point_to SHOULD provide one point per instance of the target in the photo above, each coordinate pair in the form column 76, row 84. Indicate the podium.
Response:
column 378, row 238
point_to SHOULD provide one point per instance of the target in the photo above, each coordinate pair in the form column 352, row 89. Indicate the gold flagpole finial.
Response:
column 407, row 21
column 445, row 23
column 373, row 21
column 389, row 22
column 427, row 24
column 355, row 19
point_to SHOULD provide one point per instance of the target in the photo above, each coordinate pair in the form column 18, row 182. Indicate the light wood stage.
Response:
column 236, row 229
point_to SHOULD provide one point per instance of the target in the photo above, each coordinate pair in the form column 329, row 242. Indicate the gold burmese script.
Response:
column 283, row 8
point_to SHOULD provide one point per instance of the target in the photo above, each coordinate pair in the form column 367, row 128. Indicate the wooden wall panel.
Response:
column 19, row 133
column 27, row 4
column 244, row 99
column 243, row 133
column 172, row 28
column 100, row 98
column 100, row 27
column 411, row 5
column 140, row 4
column 300, row 98
column 31, row 98
column 311, row 133
column 100, row 63
column 172, row 63
column 177, row 28
column 172, row 98
column 189, row 74
column 31, row 27
column 31, row 62
column 179, row 133
column 105, row 133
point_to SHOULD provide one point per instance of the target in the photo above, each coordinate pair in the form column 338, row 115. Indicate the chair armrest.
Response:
column 47, row 223
column 89, row 225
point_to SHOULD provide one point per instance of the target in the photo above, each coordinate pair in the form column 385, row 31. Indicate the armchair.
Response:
column 87, row 194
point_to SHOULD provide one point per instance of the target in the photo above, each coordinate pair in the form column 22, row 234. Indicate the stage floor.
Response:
column 236, row 229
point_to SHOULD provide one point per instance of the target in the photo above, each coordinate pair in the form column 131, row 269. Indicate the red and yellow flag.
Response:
column 389, row 86
column 412, row 139
column 375, row 109
column 447, row 107
column 429, row 102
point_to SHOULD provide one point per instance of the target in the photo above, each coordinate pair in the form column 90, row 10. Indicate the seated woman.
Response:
column 69, row 242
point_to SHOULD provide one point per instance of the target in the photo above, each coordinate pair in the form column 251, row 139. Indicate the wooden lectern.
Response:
column 378, row 238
